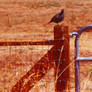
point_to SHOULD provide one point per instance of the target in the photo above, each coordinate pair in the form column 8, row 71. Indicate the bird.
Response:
column 58, row 17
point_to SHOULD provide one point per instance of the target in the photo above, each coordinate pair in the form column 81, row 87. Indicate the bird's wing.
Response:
column 55, row 17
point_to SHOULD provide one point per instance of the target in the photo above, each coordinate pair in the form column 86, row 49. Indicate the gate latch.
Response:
column 73, row 34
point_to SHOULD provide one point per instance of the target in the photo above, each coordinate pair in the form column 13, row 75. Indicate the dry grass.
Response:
column 27, row 20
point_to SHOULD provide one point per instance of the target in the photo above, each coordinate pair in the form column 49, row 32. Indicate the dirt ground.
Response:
column 27, row 20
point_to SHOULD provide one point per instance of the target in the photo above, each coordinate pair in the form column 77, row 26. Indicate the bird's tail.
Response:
column 49, row 22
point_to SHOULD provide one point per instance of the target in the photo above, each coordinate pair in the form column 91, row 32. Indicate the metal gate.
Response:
column 77, row 57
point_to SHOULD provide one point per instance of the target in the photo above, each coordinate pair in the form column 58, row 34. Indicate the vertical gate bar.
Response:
column 77, row 68
column 77, row 76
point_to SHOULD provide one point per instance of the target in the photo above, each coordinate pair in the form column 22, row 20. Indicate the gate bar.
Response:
column 22, row 42
column 84, row 58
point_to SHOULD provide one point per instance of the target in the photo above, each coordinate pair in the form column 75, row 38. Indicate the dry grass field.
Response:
column 27, row 20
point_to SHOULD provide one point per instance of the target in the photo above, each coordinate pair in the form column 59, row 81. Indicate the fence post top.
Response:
column 57, row 27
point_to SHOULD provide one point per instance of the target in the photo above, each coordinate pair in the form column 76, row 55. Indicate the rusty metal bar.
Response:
column 21, row 43
column 64, row 78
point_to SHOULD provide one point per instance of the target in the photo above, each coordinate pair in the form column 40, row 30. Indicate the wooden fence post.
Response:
column 61, row 66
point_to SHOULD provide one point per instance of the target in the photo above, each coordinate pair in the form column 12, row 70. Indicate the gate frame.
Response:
column 77, row 57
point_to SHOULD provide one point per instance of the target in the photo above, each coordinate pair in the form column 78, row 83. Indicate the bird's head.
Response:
column 62, row 11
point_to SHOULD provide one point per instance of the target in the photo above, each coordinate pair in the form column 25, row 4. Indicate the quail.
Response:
column 58, row 17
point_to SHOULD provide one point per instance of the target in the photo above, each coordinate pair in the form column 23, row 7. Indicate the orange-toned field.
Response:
column 27, row 20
